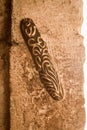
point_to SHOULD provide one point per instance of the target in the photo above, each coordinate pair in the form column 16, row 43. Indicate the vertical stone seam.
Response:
column 6, row 59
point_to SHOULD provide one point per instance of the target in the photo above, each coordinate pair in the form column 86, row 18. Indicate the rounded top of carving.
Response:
column 29, row 29
column 27, row 22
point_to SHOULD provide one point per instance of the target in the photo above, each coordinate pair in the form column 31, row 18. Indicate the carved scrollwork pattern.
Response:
column 42, row 60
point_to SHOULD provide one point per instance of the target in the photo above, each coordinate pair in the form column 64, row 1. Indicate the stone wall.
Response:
column 4, row 64
column 59, row 23
column 31, row 107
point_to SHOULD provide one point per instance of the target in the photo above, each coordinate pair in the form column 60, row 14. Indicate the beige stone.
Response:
column 59, row 23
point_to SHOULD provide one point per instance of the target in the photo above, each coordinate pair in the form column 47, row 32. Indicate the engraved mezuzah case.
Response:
column 40, row 55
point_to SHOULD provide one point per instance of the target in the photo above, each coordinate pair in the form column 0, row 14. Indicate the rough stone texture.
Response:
column 2, row 18
column 4, row 88
column 5, row 11
column 4, row 65
column 59, row 22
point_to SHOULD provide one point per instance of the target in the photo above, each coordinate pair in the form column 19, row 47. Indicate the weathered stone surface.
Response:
column 5, row 12
column 4, row 64
column 4, row 87
column 31, row 107
column 2, row 18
